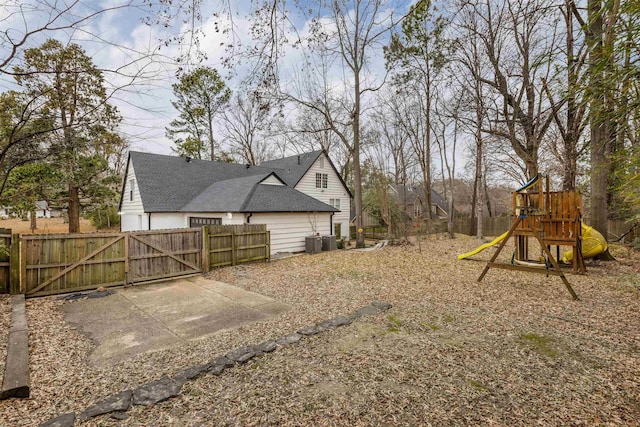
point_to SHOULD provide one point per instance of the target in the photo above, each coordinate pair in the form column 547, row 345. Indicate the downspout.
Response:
column 331, row 224
column 249, row 217
column 149, row 224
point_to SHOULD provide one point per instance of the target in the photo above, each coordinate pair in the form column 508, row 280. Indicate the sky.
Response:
column 125, row 43
column 138, row 68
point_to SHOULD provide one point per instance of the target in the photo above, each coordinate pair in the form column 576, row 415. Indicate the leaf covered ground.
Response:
column 511, row 350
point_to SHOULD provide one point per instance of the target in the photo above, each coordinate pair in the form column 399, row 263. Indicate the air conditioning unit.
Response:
column 313, row 244
column 329, row 243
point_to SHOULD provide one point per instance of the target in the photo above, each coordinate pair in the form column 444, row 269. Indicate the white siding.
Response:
column 131, row 206
column 134, row 222
column 168, row 220
column 272, row 180
column 334, row 190
column 288, row 230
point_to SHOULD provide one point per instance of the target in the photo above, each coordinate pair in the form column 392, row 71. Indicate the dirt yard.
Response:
column 511, row 350
column 45, row 226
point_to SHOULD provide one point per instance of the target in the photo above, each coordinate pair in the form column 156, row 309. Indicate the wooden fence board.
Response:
column 5, row 242
column 60, row 263
column 164, row 253
column 235, row 244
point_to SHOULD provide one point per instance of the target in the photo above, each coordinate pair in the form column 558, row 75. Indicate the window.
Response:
column 131, row 185
column 417, row 210
column 322, row 180
column 335, row 203
column 199, row 222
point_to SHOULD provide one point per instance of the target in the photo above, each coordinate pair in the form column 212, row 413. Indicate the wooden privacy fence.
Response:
column 235, row 244
column 494, row 226
column 5, row 245
column 59, row 263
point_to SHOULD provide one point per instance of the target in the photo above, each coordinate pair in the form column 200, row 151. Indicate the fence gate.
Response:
column 53, row 264
column 160, row 254
column 60, row 263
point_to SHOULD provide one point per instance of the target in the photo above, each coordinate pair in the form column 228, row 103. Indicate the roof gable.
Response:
column 291, row 169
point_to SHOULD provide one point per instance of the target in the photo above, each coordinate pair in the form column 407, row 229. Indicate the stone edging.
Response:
column 168, row 387
column 16, row 381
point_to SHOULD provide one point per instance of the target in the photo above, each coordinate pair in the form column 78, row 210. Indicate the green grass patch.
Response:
column 430, row 326
column 540, row 343
column 477, row 385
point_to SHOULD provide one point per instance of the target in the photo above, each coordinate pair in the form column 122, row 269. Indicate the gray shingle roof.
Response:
column 291, row 169
column 413, row 192
column 167, row 183
column 173, row 184
column 280, row 198
column 224, row 196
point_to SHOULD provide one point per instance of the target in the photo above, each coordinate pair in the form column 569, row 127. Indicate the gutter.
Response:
column 331, row 224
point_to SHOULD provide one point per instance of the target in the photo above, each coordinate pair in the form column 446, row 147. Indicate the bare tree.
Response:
column 447, row 112
column 356, row 28
column 518, row 37
column 416, row 58
column 245, row 128
column 468, row 66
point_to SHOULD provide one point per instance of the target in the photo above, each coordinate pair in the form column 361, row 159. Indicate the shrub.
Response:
column 104, row 217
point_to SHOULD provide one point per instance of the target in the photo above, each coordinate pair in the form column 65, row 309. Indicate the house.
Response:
column 413, row 199
column 42, row 209
column 162, row 192
column 315, row 174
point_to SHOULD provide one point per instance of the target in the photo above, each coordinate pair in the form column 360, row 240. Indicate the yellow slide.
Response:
column 593, row 243
column 483, row 247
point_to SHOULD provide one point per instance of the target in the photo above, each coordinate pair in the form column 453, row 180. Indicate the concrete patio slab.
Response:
column 146, row 318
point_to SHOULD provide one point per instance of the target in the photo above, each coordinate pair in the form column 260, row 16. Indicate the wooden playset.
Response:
column 552, row 218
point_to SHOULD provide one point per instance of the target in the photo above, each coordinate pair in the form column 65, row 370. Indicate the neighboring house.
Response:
column 413, row 199
column 162, row 192
column 5, row 212
column 42, row 209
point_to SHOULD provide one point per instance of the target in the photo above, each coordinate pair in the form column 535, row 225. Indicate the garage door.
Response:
column 288, row 230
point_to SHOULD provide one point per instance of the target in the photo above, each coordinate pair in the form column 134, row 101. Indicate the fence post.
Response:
column 205, row 249
column 268, row 248
column 126, row 259
column 14, row 265
column 233, row 247
column 23, row 266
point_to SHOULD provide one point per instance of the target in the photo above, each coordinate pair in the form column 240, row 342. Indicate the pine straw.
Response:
column 512, row 350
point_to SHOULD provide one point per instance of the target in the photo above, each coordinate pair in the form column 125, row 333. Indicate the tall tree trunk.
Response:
column 600, row 146
column 357, row 173
column 34, row 223
column 427, row 146
column 571, row 138
column 477, row 202
column 74, row 209
column 212, row 142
